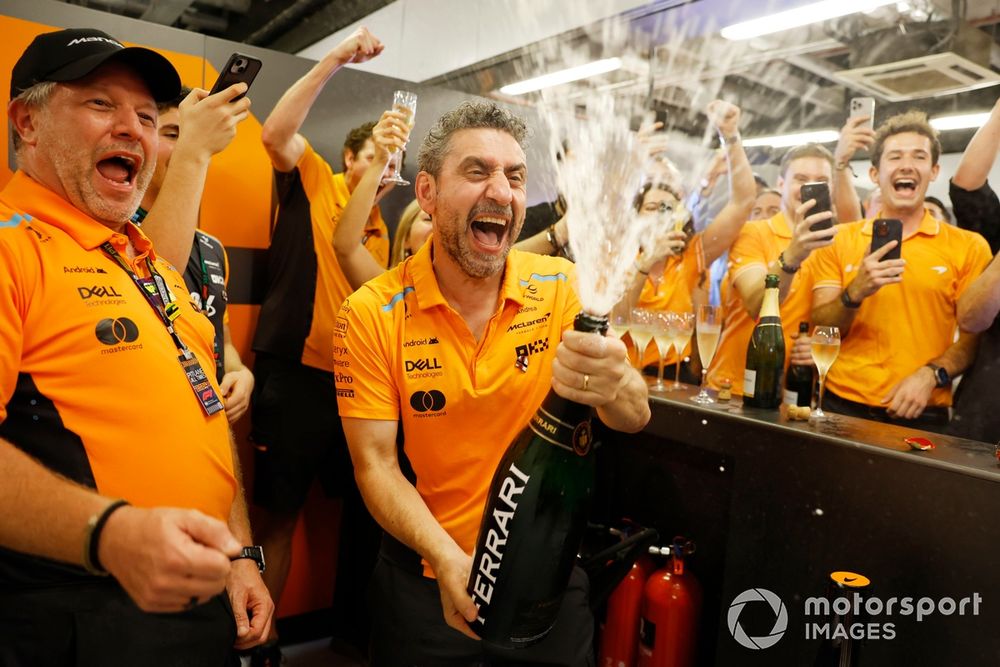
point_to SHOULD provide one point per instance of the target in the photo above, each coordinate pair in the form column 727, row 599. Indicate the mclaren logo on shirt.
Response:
column 428, row 403
column 119, row 334
column 530, row 325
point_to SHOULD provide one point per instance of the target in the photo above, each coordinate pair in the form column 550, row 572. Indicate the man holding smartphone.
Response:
column 897, row 317
column 780, row 245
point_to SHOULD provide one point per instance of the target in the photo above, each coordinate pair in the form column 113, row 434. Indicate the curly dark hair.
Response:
column 356, row 139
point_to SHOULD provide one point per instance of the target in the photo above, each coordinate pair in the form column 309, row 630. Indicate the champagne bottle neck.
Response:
column 769, row 307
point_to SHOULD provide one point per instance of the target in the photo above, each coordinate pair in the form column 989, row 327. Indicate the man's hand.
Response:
column 360, row 46
column 875, row 273
column 167, row 559
column 908, row 399
column 589, row 368
column 391, row 133
column 725, row 117
column 802, row 351
column 666, row 244
column 252, row 605
column 236, row 388
column 854, row 136
column 452, row 576
column 805, row 241
column 208, row 122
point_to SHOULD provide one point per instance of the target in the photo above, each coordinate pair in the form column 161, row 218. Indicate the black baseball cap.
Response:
column 68, row 55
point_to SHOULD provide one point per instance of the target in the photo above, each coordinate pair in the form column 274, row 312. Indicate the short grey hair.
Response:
column 468, row 115
column 36, row 96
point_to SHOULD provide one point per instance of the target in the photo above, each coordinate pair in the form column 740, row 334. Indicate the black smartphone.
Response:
column 885, row 230
column 238, row 68
column 821, row 193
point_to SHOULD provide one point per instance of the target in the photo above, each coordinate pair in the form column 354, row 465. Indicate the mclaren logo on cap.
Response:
column 81, row 40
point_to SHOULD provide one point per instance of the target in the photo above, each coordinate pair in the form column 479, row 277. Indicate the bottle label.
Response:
column 487, row 560
column 576, row 438
column 791, row 397
column 749, row 380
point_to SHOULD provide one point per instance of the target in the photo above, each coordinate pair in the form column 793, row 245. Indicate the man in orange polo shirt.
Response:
column 460, row 343
column 107, row 390
column 297, row 436
column 897, row 318
column 780, row 245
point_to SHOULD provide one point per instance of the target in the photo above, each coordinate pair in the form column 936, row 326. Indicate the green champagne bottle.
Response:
column 534, row 520
column 765, row 369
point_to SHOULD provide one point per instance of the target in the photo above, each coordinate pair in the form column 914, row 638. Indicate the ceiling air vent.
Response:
column 926, row 76
column 926, row 60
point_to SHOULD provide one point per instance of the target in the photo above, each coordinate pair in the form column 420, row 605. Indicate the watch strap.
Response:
column 845, row 299
column 254, row 553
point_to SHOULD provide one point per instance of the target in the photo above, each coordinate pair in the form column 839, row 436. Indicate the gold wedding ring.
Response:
column 586, row 381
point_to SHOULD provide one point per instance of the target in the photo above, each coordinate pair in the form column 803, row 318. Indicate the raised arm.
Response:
column 724, row 229
column 979, row 156
column 280, row 134
column 207, row 126
column 854, row 135
column 979, row 304
column 397, row 506
column 355, row 261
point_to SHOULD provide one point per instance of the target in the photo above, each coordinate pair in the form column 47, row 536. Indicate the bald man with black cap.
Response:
column 121, row 494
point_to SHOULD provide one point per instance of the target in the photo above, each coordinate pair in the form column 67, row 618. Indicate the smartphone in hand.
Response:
column 885, row 230
column 238, row 68
column 864, row 106
column 819, row 191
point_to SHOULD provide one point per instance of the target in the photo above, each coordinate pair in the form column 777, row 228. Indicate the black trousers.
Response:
column 96, row 624
column 410, row 629
column 931, row 419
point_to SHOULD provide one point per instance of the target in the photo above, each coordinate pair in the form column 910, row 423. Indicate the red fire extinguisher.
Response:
column 670, row 608
column 620, row 638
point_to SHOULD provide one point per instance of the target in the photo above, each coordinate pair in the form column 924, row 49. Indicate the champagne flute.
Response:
column 664, row 333
column 708, row 328
column 641, row 332
column 402, row 100
column 685, row 327
column 825, row 347
column 619, row 322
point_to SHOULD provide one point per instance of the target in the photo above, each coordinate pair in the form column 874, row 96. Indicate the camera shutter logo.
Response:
column 780, row 618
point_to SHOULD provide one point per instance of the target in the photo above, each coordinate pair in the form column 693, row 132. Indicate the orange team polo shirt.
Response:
column 902, row 326
column 286, row 328
column 759, row 243
column 90, row 382
column 681, row 276
column 403, row 353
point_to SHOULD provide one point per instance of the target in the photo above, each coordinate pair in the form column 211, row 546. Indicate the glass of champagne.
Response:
column 825, row 347
column 708, row 328
column 642, row 332
column 664, row 333
column 402, row 100
column 682, row 332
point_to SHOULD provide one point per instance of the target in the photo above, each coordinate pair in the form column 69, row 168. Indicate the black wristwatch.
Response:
column 941, row 376
column 845, row 299
column 256, row 554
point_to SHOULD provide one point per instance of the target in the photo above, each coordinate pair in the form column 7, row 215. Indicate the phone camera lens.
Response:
column 239, row 65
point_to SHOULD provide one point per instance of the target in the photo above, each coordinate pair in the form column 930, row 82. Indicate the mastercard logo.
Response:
column 850, row 579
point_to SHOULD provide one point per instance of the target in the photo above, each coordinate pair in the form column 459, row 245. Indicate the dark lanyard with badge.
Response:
column 205, row 283
column 155, row 291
